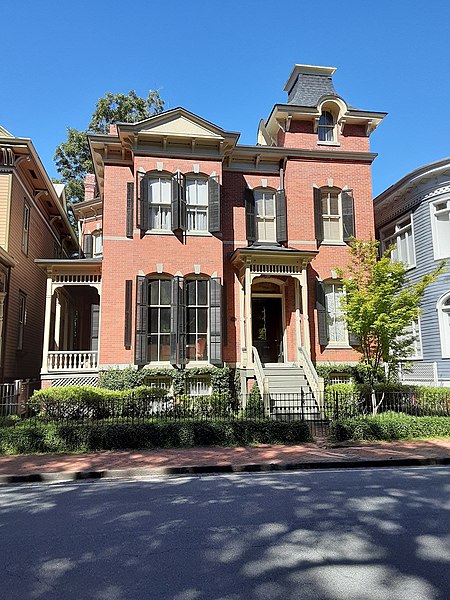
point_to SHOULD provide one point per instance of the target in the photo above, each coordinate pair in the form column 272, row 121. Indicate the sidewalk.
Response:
column 51, row 467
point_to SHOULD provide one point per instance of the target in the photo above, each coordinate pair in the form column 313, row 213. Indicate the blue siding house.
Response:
column 414, row 214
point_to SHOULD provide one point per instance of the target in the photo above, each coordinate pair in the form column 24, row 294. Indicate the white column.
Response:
column 298, row 333
column 57, row 333
column 48, row 315
column 305, row 316
column 248, row 314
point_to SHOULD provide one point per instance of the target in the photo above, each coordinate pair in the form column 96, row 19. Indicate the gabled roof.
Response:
column 177, row 122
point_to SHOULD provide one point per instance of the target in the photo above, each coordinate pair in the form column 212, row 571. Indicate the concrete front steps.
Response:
column 289, row 392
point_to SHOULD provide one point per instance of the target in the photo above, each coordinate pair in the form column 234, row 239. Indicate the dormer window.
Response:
column 326, row 127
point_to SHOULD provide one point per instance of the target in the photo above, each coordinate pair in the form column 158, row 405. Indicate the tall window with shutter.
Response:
column 266, row 215
column 334, row 215
column 159, row 202
column 197, row 203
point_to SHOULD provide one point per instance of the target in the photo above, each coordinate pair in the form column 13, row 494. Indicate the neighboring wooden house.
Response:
column 414, row 214
column 200, row 251
column 33, row 224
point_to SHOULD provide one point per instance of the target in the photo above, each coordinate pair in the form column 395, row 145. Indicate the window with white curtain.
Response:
column 265, row 216
column 401, row 236
column 413, row 330
column 441, row 228
column 336, row 325
column 160, row 201
column 197, row 203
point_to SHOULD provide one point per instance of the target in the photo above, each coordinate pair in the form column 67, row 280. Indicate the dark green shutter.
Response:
column 141, row 338
column 182, row 200
column 130, row 215
column 88, row 245
column 250, row 216
column 215, row 321
column 178, row 323
column 213, row 204
column 348, row 215
column 143, row 207
column 318, row 220
column 281, row 217
column 322, row 326
column 175, row 202
column 127, row 321
column 353, row 339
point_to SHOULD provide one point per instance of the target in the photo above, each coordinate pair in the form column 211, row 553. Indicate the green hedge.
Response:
column 82, row 401
column 389, row 426
column 54, row 437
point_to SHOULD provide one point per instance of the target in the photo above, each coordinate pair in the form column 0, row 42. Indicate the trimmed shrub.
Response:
column 54, row 437
column 389, row 426
column 255, row 404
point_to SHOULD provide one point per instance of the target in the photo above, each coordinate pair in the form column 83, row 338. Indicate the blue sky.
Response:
column 228, row 62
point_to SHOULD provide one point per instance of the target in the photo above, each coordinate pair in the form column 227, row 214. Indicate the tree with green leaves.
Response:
column 379, row 306
column 73, row 158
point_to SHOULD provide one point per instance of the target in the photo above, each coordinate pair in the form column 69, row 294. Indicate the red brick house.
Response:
column 202, row 251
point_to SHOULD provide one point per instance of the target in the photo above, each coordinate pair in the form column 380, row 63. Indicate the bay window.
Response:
column 400, row 235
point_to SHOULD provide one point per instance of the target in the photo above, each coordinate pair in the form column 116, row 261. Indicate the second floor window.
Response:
column 159, row 199
column 265, row 216
column 401, row 236
column 25, row 228
column 197, row 203
column 441, row 228
column 331, row 216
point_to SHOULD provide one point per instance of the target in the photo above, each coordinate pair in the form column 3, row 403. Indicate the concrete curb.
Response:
column 218, row 469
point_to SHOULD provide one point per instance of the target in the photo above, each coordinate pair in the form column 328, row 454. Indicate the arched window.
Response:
column 443, row 307
column 326, row 127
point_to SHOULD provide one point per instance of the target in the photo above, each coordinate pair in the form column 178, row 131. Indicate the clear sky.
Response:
column 228, row 62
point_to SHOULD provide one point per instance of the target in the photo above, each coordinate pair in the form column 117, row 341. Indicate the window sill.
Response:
column 159, row 232
column 338, row 347
column 332, row 243
column 199, row 234
column 323, row 143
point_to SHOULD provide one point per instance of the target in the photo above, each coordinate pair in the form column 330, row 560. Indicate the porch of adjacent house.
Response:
column 72, row 321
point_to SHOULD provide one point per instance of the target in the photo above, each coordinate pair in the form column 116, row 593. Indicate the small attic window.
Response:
column 326, row 127
column 33, row 174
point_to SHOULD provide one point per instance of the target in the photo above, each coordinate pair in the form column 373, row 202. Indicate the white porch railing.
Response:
column 261, row 380
column 72, row 360
column 315, row 382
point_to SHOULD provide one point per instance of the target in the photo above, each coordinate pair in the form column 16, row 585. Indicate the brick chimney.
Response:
column 89, row 187
column 113, row 129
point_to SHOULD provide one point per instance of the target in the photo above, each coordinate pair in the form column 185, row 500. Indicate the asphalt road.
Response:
column 364, row 534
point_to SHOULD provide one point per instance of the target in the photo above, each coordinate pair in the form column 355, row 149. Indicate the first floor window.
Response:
column 441, row 228
column 336, row 326
column 159, row 294
column 160, row 198
column 444, row 324
column 197, row 319
column 197, row 203
column 22, row 320
column 400, row 235
column 265, row 216
column 199, row 386
column 412, row 332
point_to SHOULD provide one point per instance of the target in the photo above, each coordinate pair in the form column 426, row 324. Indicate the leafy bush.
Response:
column 85, row 402
column 255, row 404
column 54, row 437
column 389, row 426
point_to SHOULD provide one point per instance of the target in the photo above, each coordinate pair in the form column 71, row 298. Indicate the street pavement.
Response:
column 344, row 534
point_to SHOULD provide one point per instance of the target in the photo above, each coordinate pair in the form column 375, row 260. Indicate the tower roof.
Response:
column 308, row 83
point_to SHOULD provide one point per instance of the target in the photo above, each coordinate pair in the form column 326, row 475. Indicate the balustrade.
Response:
column 72, row 360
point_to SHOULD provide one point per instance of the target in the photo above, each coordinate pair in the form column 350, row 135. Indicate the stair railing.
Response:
column 316, row 383
column 262, row 380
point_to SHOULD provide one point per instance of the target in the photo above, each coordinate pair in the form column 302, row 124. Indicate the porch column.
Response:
column 48, row 315
column 305, row 316
column 57, row 333
column 298, row 334
column 248, row 314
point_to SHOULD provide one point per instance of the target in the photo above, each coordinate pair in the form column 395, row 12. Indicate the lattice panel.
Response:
column 64, row 381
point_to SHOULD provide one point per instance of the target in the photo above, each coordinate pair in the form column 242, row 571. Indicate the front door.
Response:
column 267, row 331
